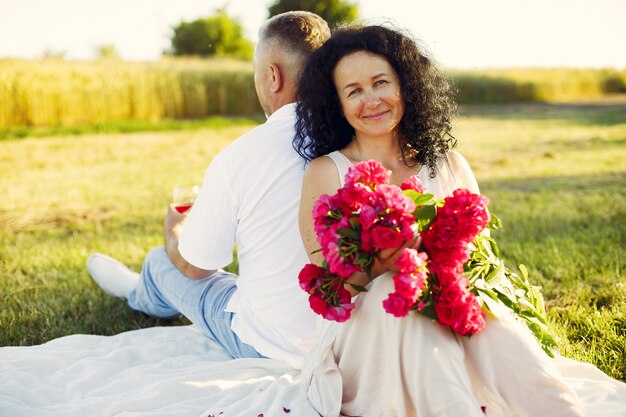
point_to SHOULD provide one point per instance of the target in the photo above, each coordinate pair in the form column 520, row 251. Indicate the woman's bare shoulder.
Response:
column 322, row 166
column 321, row 174
column 322, row 163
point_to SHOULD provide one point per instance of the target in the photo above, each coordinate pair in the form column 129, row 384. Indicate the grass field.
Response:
column 555, row 175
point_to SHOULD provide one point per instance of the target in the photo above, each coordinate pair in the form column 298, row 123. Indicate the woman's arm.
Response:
column 321, row 177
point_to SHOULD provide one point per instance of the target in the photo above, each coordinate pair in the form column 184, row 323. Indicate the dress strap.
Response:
column 342, row 163
column 455, row 182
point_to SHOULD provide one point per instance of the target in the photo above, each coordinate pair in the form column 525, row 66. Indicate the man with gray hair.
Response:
column 249, row 198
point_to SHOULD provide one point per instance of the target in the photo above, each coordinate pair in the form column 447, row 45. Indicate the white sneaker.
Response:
column 111, row 275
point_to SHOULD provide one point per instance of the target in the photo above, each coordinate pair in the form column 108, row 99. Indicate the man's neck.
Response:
column 279, row 109
column 282, row 101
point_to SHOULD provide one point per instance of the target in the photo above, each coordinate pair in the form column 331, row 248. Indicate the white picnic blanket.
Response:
column 156, row 372
column 177, row 371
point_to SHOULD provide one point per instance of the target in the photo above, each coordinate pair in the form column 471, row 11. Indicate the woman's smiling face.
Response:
column 369, row 93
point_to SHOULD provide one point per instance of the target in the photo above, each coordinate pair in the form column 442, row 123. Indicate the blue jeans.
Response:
column 164, row 292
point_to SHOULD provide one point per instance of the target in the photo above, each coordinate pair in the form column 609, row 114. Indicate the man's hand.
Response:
column 173, row 223
column 172, row 227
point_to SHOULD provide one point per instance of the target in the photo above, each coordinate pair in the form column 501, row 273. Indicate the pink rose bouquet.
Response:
column 368, row 215
column 445, row 279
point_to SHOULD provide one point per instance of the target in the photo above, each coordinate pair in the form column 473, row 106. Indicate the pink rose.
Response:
column 394, row 200
column 410, row 260
column 322, row 207
column 413, row 183
column 469, row 211
column 340, row 265
column 340, row 251
column 318, row 305
column 458, row 308
column 447, row 274
column 462, row 314
column 368, row 216
column 406, row 286
column 406, row 230
column 384, row 237
column 443, row 231
column 326, row 212
column 397, row 305
column 370, row 173
column 339, row 314
column 343, row 311
column 329, row 239
column 309, row 277
column 356, row 196
column 328, row 209
column 453, row 255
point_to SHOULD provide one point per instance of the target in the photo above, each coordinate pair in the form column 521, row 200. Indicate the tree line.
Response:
column 222, row 35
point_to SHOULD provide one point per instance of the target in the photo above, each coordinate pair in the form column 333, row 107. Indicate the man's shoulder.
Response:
column 282, row 119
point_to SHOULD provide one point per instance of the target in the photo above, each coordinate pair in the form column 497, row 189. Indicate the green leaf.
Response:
column 496, row 274
column 425, row 216
column 489, row 246
column 507, row 301
column 418, row 198
column 524, row 271
column 494, row 223
column 349, row 233
column 482, row 289
column 429, row 311
column 495, row 307
column 357, row 287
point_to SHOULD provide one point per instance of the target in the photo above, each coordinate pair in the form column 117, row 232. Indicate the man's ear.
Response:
column 277, row 78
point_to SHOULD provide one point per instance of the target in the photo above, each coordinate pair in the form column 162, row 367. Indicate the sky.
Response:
column 460, row 34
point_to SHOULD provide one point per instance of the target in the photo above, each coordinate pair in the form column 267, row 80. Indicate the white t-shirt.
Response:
column 250, row 197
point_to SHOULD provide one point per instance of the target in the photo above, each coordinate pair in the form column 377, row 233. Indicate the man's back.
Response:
column 250, row 198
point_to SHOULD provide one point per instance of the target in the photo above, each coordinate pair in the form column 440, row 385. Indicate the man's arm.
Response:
column 172, row 226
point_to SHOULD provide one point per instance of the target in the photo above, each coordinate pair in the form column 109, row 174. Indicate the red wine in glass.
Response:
column 183, row 207
column 184, row 196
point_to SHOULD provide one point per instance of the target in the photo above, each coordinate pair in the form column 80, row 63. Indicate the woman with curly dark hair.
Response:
column 370, row 93
column 423, row 131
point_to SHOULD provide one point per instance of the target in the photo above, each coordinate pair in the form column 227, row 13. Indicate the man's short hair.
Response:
column 299, row 31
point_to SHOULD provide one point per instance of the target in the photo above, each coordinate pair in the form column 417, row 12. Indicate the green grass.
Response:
column 555, row 176
column 127, row 126
column 65, row 197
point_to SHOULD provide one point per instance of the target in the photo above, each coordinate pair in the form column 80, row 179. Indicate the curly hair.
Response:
column 424, row 129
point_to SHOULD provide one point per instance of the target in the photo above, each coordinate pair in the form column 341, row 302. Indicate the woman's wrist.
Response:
column 357, row 282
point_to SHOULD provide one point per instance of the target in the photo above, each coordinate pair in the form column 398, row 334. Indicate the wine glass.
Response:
column 184, row 196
